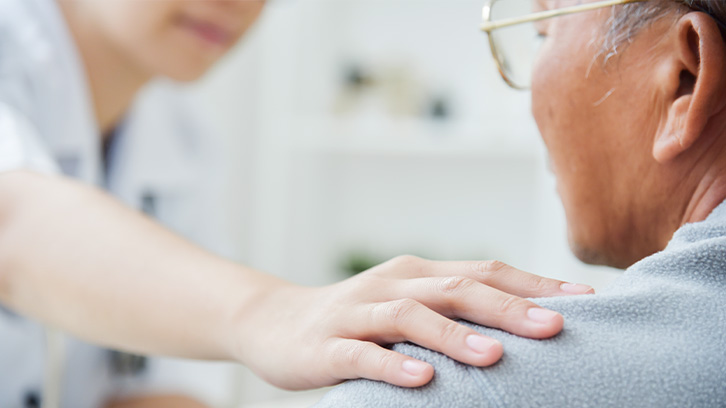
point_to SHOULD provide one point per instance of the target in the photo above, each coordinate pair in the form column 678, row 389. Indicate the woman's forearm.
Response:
column 158, row 401
column 74, row 258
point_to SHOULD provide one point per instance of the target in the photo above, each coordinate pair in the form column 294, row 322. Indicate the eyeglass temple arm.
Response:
column 489, row 26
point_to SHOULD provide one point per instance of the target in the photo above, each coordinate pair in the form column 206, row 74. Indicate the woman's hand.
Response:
column 298, row 338
column 159, row 294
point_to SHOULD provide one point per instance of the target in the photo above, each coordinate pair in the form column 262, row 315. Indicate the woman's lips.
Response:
column 208, row 32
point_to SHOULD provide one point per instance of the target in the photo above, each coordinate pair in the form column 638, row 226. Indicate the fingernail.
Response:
column 480, row 344
column 414, row 367
column 577, row 288
column 540, row 315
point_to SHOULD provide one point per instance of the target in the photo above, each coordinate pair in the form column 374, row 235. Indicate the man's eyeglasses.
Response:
column 512, row 26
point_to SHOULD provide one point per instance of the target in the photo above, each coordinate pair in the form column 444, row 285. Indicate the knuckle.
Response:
column 406, row 262
column 387, row 361
column 456, row 284
column 351, row 355
column 487, row 269
column 540, row 284
column 400, row 310
column 509, row 305
column 365, row 283
column 449, row 331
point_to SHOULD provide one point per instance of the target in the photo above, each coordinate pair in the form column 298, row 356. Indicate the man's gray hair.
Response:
column 627, row 20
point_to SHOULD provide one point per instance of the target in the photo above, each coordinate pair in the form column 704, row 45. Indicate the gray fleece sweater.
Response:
column 655, row 338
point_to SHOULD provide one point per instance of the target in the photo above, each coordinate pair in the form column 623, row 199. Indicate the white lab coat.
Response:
column 161, row 159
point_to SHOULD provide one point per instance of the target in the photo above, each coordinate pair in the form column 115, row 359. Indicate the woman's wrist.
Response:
column 253, row 303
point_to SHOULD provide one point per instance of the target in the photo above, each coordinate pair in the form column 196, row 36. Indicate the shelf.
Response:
column 413, row 139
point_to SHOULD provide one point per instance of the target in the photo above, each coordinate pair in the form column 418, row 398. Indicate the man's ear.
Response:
column 695, row 84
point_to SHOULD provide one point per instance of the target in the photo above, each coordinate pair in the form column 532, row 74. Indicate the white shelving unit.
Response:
column 410, row 138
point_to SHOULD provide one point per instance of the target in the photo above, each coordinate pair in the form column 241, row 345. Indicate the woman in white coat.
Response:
column 76, row 258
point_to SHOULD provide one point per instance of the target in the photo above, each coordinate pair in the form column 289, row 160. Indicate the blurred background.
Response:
column 357, row 130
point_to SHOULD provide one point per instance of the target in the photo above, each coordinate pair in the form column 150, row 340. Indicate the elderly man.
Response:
column 630, row 100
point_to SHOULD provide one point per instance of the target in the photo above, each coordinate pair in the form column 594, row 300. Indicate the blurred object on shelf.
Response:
column 439, row 108
column 356, row 78
column 390, row 91
column 359, row 261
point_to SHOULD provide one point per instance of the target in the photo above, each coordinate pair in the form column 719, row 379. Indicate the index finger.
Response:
column 505, row 278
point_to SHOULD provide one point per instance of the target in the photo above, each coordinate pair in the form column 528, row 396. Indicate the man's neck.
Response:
column 708, row 195
column 113, row 79
column 709, row 166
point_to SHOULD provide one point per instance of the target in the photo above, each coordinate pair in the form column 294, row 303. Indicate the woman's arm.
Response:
column 74, row 258
column 157, row 401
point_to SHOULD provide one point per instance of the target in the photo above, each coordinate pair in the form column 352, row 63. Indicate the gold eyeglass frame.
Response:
column 488, row 26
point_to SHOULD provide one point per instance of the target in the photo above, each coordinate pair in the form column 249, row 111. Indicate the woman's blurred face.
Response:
column 597, row 120
column 180, row 39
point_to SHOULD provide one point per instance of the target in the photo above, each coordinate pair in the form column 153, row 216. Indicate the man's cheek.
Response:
column 542, row 110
